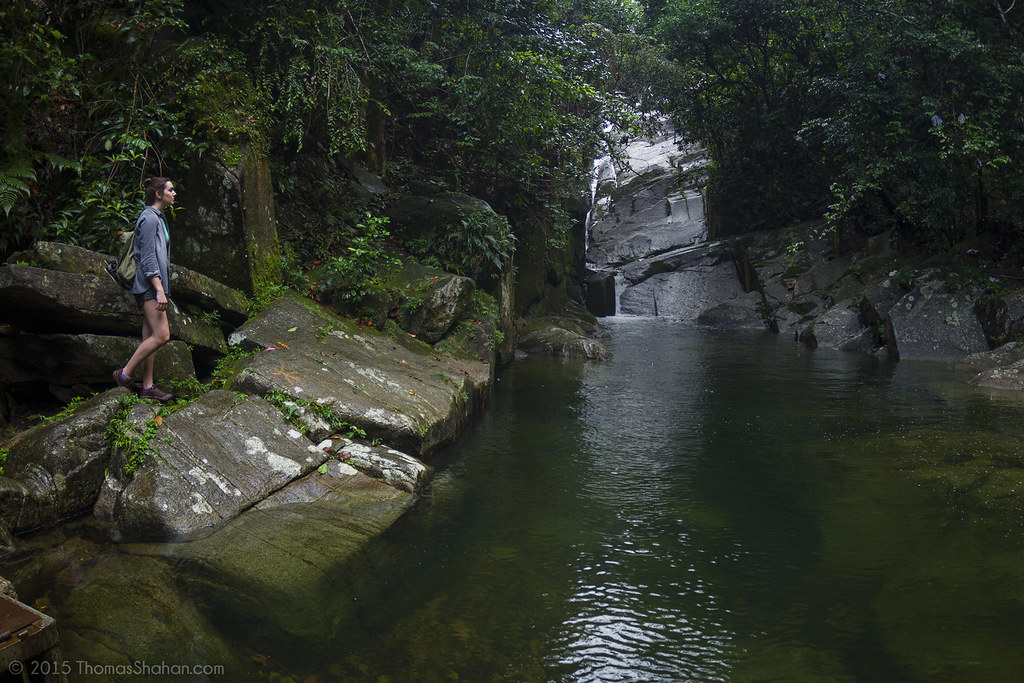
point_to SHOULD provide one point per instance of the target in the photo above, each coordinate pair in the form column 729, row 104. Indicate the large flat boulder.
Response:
column 54, row 471
column 839, row 328
column 50, row 301
column 73, row 363
column 687, row 285
column 933, row 323
column 560, row 337
column 289, row 551
column 393, row 386
column 187, row 285
column 207, row 463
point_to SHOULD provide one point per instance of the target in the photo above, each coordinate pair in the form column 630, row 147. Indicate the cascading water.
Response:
column 640, row 215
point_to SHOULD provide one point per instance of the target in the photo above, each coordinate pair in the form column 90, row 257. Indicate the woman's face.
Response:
column 167, row 194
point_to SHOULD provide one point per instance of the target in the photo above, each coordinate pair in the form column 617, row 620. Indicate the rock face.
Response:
column 55, row 471
column 69, row 365
column 433, row 300
column 394, row 387
column 208, row 462
column 422, row 215
column 569, row 335
column 40, row 305
column 188, row 286
column 229, row 232
column 697, row 284
column 644, row 217
column 932, row 323
column 853, row 294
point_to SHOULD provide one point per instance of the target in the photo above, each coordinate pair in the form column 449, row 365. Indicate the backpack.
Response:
column 122, row 269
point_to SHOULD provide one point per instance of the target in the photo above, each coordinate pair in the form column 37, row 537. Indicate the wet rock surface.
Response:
column 648, row 232
column 208, row 462
column 54, row 471
column 393, row 386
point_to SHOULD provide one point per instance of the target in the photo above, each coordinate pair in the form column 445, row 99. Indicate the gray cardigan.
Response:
column 152, row 250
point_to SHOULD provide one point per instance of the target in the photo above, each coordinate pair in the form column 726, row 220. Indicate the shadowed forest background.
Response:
column 878, row 114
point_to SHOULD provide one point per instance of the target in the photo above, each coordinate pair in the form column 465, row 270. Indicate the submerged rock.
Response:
column 127, row 612
column 290, row 551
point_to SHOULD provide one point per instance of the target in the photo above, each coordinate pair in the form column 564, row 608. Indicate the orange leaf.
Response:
column 159, row 420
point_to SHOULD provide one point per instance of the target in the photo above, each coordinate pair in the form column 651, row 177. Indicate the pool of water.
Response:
column 708, row 506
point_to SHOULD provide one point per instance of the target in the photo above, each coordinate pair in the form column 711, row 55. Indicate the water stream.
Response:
column 708, row 506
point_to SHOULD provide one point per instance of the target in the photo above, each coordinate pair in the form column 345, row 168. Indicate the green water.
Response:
column 708, row 506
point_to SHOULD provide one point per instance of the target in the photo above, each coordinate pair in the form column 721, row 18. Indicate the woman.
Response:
column 151, row 287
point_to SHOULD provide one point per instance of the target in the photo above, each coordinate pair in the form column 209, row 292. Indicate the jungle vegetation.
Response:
column 878, row 113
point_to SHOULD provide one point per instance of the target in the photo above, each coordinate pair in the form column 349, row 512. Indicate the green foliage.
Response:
column 890, row 112
column 13, row 183
column 68, row 410
column 352, row 275
column 481, row 246
column 293, row 408
column 83, row 116
column 126, row 439
column 227, row 365
column 265, row 295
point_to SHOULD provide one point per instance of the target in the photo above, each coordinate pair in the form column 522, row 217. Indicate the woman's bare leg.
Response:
column 156, row 332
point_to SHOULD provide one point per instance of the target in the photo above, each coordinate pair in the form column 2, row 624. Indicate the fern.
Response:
column 62, row 163
column 13, row 185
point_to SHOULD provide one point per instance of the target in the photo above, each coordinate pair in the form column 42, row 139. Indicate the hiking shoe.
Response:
column 123, row 380
column 156, row 393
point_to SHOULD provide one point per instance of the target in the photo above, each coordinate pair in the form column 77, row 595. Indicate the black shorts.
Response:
column 148, row 294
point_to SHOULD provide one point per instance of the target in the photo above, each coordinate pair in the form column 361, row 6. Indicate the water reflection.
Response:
column 705, row 507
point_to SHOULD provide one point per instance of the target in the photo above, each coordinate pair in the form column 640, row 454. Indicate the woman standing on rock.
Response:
column 151, row 286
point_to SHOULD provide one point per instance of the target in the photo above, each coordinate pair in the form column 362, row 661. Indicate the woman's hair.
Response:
column 152, row 187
